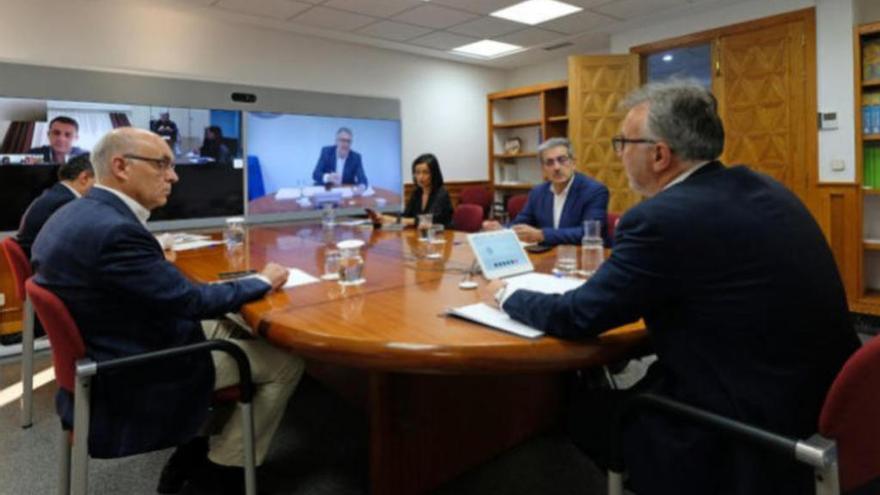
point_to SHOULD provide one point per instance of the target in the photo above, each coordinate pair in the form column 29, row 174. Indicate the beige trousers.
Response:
column 275, row 374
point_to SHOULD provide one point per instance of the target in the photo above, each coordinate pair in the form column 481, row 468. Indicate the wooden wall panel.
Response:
column 837, row 210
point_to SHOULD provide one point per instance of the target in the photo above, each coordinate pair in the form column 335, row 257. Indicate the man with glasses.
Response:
column 556, row 210
column 740, row 294
column 339, row 164
column 97, row 255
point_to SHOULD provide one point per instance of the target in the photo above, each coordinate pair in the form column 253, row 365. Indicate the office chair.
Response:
column 844, row 454
column 611, row 221
column 476, row 195
column 467, row 218
column 21, row 271
column 74, row 372
column 515, row 204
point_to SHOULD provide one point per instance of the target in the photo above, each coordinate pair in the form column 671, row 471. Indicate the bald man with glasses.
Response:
column 97, row 255
column 556, row 210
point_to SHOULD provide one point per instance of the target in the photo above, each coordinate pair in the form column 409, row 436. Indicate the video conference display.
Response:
column 307, row 160
column 292, row 162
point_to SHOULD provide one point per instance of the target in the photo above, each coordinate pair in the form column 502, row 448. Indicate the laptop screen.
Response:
column 500, row 254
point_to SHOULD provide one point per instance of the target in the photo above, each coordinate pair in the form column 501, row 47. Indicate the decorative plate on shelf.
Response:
column 512, row 146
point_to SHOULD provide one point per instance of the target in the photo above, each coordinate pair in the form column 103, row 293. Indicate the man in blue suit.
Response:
column 75, row 178
column 63, row 133
column 97, row 255
column 340, row 157
column 740, row 294
column 556, row 210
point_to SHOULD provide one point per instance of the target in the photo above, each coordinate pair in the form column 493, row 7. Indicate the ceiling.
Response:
column 432, row 28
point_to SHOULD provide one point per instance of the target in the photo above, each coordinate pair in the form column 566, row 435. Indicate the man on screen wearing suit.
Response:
column 75, row 178
column 63, row 133
column 97, row 255
column 340, row 157
column 740, row 294
column 556, row 210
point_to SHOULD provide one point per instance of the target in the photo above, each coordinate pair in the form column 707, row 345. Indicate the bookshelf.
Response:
column 532, row 114
column 867, row 100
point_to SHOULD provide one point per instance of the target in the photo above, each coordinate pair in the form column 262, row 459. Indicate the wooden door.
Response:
column 597, row 84
column 760, row 82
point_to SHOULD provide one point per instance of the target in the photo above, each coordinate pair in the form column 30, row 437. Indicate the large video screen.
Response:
column 38, row 135
column 301, row 162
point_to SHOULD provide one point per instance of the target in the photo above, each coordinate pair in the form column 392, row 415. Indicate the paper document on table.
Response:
column 486, row 315
column 492, row 317
column 186, row 246
column 542, row 282
column 354, row 222
column 297, row 277
column 286, row 193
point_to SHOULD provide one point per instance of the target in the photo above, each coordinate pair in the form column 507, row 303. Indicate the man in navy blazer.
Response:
column 556, row 210
column 75, row 178
column 340, row 156
column 63, row 133
column 740, row 294
column 97, row 255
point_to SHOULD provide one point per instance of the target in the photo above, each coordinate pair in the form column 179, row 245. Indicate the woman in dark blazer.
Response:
column 429, row 195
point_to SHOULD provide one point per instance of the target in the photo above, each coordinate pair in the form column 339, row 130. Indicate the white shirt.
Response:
column 139, row 211
column 684, row 175
column 74, row 191
column 559, row 201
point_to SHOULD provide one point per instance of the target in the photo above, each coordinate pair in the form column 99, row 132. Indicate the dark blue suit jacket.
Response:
column 39, row 211
column 587, row 200
column 352, row 172
column 747, row 314
column 127, row 299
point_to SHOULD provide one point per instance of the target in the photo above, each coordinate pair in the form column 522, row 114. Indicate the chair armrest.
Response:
column 817, row 451
column 87, row 367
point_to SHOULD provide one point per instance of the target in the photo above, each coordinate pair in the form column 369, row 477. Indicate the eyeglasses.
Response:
column 619, row 141
column 561, row 160
column 162, row 164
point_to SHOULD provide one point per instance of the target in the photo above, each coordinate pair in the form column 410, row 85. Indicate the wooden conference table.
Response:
column 442, row 394
column 271, row 204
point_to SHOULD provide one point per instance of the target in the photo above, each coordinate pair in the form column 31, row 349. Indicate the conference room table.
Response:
column 376, row 198
column 442, row 394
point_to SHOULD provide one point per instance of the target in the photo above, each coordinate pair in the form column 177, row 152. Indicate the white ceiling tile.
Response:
column 587, row 4
column 376, row 8
column 478, row 6
column 442, row 40
column 579, row 23
column 531, row 37
column 276, row 9
column 632, row 9
column 396, row 31
column 333, row 19
column 433, row 16
column 486, row 27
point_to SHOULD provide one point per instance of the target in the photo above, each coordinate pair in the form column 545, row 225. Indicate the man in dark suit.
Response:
column 556, row 210
column 740, row 294
column 97, row 255
column 63, row 133
column 340, row 156
column 75, row 178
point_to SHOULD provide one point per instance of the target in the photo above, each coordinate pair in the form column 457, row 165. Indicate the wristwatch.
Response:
column 499, row 295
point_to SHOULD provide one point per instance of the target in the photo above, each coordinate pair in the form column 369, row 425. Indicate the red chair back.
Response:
column 18, row 263
column 851, row 417
column 67, row 344
column 476, row 195
column 467, row 218
column 611, row 220
column 515, row 205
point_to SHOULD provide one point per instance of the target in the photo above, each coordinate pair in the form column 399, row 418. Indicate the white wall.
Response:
column 443, row 104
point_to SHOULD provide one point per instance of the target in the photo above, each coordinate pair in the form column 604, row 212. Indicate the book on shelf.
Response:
column 871, row 167
column 871, row 60
column 871, row 113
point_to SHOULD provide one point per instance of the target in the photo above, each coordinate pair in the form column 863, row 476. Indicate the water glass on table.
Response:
column 566, row 260
column 233, row 234
column 331, row 264
column 592, row 249
column 425, row 227
column 328, row 215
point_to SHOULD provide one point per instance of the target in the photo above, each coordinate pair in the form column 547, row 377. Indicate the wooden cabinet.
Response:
column 529, row 114
column 867, row 114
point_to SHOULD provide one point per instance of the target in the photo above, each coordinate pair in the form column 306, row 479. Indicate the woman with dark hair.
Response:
column 429, row 195
column 214, row 147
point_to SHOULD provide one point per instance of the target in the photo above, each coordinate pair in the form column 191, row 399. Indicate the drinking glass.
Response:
column 233, row 234
column 351, row 263
column 328, row 215
column 331, row 264
column 425, row 226
column 592, row 250
column 566, row 260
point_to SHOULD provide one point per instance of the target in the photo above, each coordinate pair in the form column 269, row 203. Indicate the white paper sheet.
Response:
column 298, row 277
column 186, row 246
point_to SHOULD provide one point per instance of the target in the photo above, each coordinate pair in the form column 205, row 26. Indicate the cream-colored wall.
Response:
column 443, row 103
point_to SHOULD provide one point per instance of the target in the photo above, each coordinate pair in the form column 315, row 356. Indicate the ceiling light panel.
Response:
column 534, row 12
